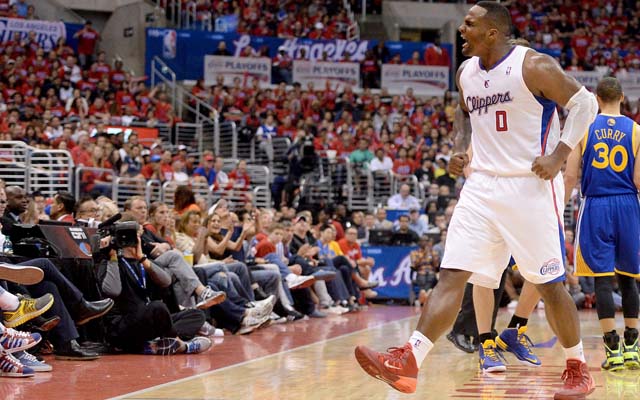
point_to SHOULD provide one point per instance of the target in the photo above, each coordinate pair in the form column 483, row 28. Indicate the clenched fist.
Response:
column 547, row 167
column 457, row 163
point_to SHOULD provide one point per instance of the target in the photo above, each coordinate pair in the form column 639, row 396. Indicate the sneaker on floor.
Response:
column 21, row 274
column 31, row 361
column 299, row 281
column 317, row 314
column 294, row 315
column 397, row 367
column 630, row 350
column 197, row 345
column 251, row 323
column 162, row 346
column 514, row 340
column 276, row 319
column 11, row 367
column 268, row 302
column 578, row 383
column 12, row 340
column 209, row 298
column 490, row 357
column 260, row 310
column 206, row 329
column 27, row 309
column 615, row 359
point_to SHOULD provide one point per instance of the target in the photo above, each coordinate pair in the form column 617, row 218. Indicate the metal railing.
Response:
column 190, row 135
column 49, row 171
column 359, row 187
column 226, row 141
column 35, row 169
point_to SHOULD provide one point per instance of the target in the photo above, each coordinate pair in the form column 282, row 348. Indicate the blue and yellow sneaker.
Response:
column 630, row 349
column 514, row 340
column 490, row 358
column 615, row 359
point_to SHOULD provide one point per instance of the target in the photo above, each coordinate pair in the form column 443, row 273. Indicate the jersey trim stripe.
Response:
column 634, row 138
column 560, row 232
column 548, row 110
column 498, row 62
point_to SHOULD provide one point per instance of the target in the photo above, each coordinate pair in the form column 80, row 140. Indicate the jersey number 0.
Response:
column 605, row 158
column 501, row 121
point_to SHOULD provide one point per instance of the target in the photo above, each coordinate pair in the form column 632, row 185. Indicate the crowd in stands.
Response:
column 317, row 19
column 586, row 35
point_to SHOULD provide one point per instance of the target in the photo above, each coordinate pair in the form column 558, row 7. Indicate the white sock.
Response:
column 575, row 352
column 421, row 346
column 8, row 301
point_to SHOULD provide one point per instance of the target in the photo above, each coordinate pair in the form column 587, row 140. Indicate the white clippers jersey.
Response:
column 511, row 126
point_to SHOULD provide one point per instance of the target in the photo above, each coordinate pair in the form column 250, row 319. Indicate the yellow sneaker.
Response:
column 27, row 310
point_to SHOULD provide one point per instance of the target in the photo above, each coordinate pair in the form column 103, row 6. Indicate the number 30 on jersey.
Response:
column 616, row 158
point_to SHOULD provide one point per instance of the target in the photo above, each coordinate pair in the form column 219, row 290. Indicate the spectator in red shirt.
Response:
column 152, row 169
column 579, row 44
column 351, row 249
column 238, row 178
column 403, row 165
column 87, row 39
column 437, row 55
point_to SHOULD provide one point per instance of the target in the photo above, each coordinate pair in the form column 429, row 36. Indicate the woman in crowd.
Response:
column 161, row 222
column 184, row 200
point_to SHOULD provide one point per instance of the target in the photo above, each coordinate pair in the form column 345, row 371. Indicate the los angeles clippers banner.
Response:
column 588, row 79
column 425, row 80
column 319, row 73
column 392, row 270
column 232, row 67
column 47, row 32
column 184, row 50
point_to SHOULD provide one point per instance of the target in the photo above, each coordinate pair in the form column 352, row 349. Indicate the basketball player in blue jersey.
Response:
column 510, row 203
column 608, row 231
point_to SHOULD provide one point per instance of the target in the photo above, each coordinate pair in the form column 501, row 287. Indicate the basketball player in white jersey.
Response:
column 510, row 203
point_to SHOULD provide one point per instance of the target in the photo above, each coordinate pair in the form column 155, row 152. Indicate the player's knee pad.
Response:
column 629, row 293
column 604, row 297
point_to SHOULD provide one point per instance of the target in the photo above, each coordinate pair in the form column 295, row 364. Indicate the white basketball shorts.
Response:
column 498, row 217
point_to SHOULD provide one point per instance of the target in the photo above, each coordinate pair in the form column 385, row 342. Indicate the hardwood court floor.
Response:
column 314, row 360
column 327, row 370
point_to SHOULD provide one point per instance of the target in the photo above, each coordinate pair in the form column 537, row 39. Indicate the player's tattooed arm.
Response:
column 462, row 132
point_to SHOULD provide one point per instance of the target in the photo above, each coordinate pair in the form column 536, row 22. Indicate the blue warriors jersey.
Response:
column 608, row 156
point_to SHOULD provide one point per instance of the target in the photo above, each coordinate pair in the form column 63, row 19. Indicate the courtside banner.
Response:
column 319, row 72
column 232, row 67
column 424, row 80
column 392, row 270
column 588, row 79
column 47, row 32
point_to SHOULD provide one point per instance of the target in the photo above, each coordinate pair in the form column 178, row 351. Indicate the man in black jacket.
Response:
column 139, row 324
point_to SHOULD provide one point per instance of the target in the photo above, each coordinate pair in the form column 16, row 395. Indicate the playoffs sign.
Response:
column 424, row 80
column 338, row 75
column 232, row 67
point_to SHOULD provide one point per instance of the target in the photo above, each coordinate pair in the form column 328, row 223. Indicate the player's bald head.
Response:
column 496, row 15
column 609, row 90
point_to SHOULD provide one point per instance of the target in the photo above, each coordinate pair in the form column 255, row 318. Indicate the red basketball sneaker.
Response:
column 398, row 367
column 578, row 383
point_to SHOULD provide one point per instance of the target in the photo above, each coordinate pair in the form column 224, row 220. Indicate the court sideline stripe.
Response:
column 203, row 374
